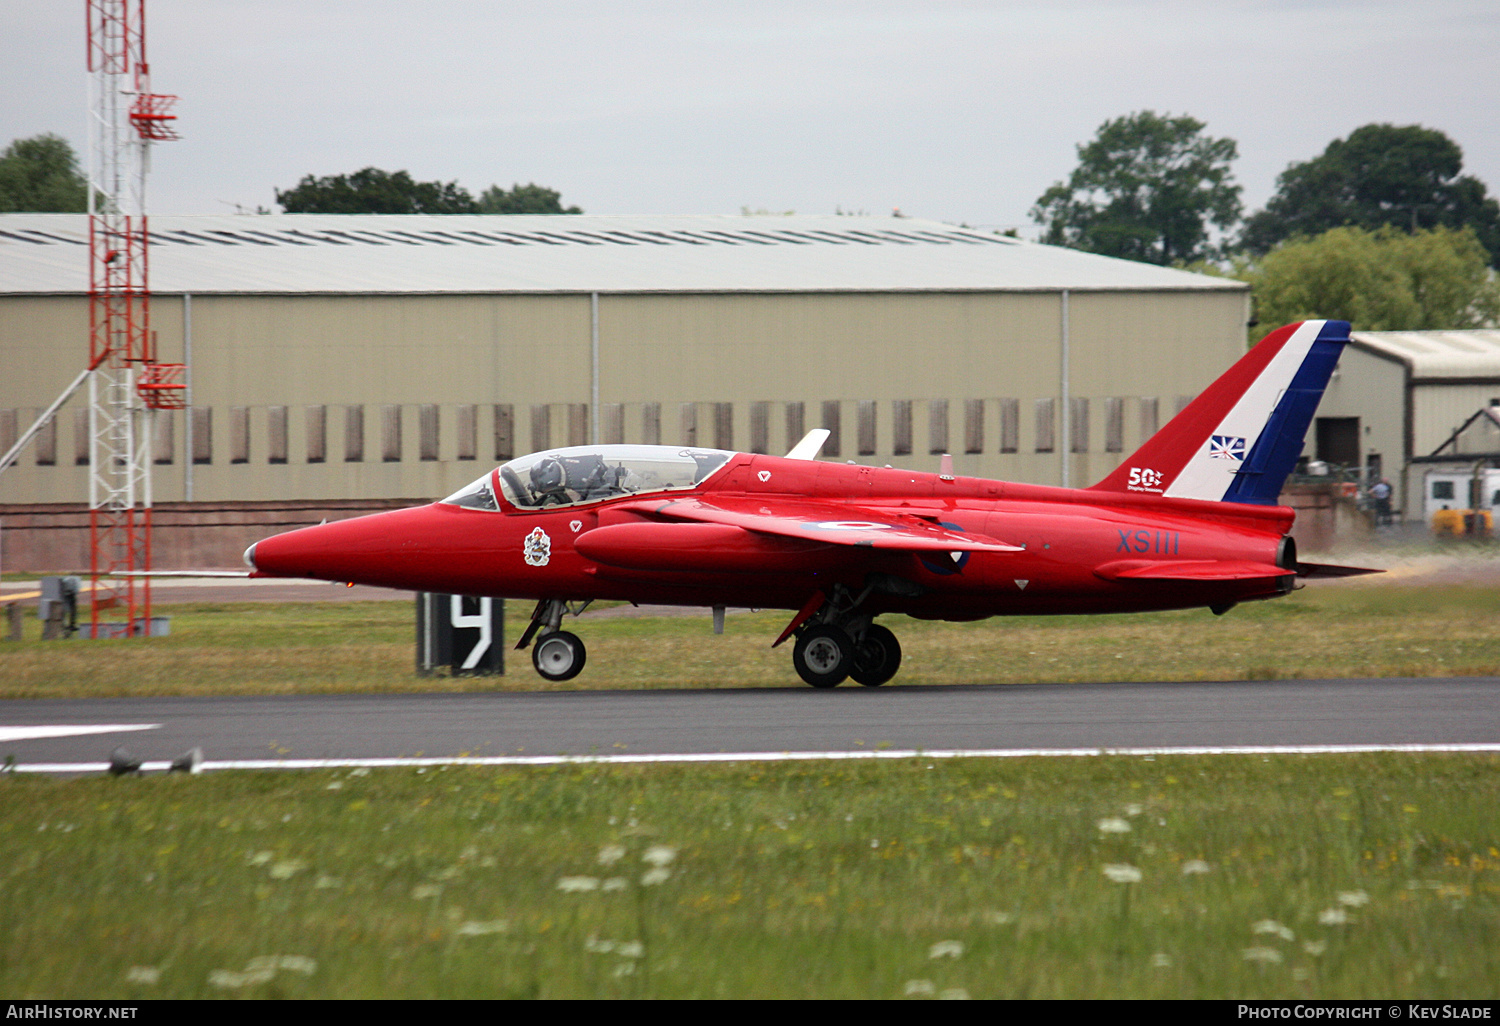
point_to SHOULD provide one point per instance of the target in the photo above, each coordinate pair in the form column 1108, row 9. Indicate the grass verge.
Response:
column 368, row 647
column 1245, row 877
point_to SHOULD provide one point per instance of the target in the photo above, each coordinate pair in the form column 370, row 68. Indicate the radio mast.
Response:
column 127, row 385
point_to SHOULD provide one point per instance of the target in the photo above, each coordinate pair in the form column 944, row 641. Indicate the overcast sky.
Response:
column 954, row 111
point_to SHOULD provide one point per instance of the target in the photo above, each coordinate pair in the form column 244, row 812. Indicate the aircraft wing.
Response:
column 829, row 523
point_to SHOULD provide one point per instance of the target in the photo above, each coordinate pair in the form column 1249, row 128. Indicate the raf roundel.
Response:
column 537, row 547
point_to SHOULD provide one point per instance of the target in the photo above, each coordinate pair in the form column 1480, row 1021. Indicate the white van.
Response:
column 1454, row 489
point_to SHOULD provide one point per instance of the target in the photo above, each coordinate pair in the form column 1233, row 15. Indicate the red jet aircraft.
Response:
column 1191, row 519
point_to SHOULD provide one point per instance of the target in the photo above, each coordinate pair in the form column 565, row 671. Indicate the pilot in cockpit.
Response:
column 559, row 480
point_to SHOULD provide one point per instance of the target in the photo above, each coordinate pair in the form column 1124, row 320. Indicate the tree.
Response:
column 1146, row 188
column 523, row 199
column 1385, row 280
column 373, row 191
column 41, row 174
column 1407, row 177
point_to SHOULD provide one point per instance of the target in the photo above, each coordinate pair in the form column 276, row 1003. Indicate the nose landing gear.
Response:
column 558, row 654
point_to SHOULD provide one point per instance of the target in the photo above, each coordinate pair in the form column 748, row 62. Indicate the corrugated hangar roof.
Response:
column 460, row 253
column 1438, row 354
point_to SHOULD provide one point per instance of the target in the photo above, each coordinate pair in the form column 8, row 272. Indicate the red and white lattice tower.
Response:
column 128, row 386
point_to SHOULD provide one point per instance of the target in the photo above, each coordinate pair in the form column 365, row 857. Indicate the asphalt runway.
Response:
column 1442, row 712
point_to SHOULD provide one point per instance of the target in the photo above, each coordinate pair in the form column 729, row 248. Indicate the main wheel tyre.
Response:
column 822, row 656
column 559, row 655
column 877, row 657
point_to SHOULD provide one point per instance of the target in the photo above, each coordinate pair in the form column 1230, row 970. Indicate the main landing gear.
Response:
column 837, row 644
column 558, row 654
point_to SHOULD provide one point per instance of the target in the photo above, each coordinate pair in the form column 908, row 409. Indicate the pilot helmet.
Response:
column 547, row 476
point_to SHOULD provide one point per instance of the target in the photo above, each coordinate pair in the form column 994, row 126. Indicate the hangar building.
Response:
column 344, row 363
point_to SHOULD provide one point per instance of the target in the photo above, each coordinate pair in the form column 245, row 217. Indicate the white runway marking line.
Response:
column 70, row 730
column 912, row 753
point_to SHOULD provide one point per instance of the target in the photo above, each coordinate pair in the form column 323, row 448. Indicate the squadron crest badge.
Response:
column 537, row 547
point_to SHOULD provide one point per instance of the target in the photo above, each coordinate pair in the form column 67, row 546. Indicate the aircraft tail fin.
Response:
column 1240, row 438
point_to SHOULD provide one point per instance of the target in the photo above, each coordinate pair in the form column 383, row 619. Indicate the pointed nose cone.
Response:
column 399, row 549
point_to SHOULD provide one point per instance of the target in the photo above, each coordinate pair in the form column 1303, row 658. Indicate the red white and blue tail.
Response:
column 1240, row 438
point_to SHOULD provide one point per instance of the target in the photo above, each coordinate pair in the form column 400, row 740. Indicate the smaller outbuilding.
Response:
column 1402, row 407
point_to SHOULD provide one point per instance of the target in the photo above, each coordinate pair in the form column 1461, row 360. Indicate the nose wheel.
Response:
column 559, row 655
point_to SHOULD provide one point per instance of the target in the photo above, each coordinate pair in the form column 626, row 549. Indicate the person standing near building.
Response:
column 1380, row 494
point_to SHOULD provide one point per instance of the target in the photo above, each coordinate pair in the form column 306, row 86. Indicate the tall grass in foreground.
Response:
column 1243, row 877
column 1331, row 630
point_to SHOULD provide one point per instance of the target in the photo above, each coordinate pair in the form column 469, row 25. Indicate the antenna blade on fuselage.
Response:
column 810, row 446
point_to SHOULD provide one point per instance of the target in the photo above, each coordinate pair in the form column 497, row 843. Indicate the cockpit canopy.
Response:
column 593, row 473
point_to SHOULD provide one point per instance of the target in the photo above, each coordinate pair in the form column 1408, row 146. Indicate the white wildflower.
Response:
column 999, row 918
column 477, row 928
column 659, row 855
column 1354, row 899
column 624, row 969
column 946, row 949
column 1161, row 960
column 260, row 858
column 257, row 970
column 578, row 883
column 1333, row 917
column 337, row 785
column 954, row 994
column 261, row 969
column 360, row 771
column 298, row 964
column 427, row 890
column 1194, row 867
column 630, row 949
column 147, row 975
column 1120, row 872
column 1114, row 825
column 1134, row 809
column 658, row 875
column 614, row 883
column 610, row 854
column 1262, row 954
column 328, row 883
column 1272, row 926
column 597, row 946
column 287, row 869
column 1315, row 948
column 919, row 988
